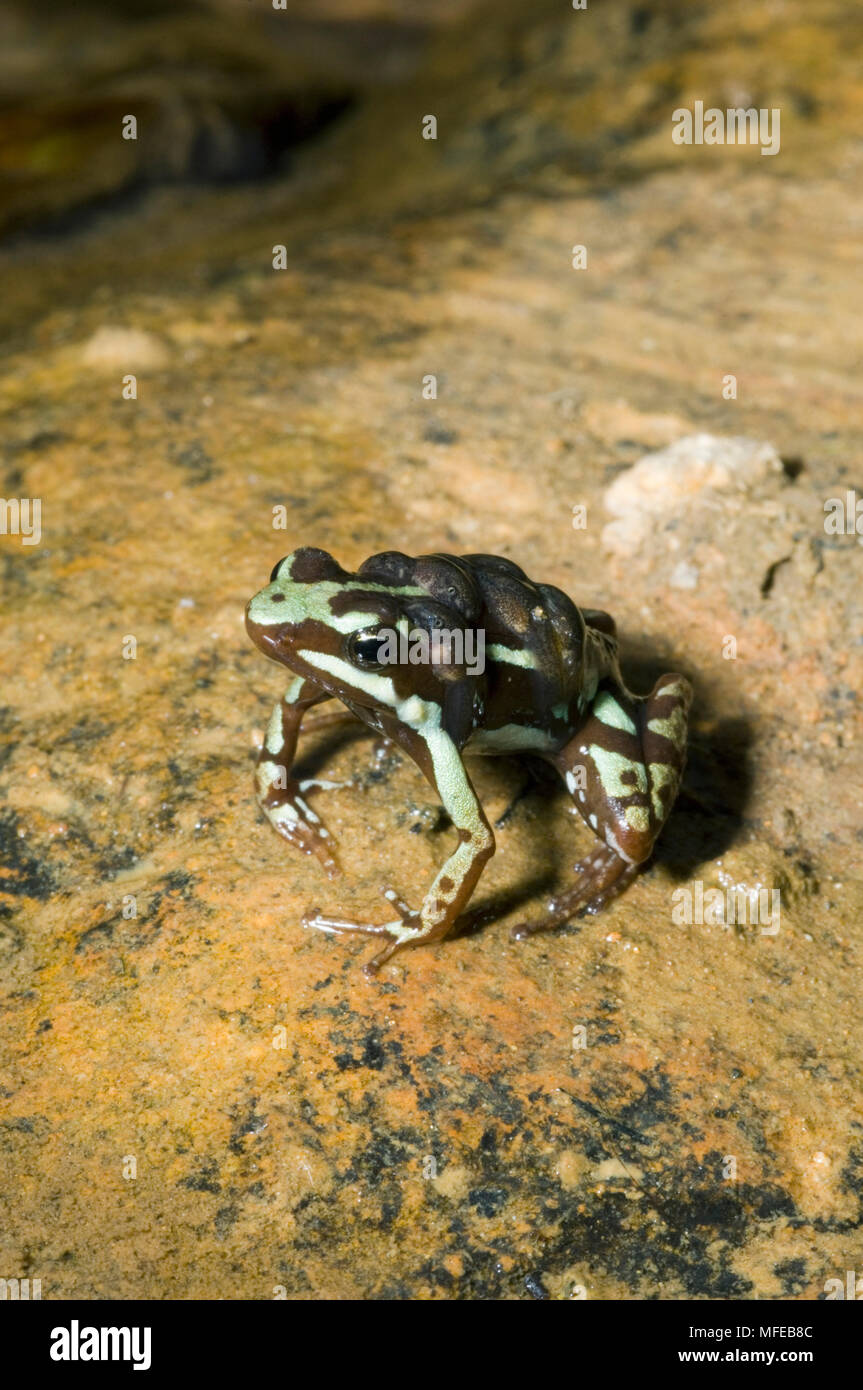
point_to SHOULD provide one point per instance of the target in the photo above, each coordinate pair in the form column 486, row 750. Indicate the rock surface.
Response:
column 200, row 1100
column 663, row 489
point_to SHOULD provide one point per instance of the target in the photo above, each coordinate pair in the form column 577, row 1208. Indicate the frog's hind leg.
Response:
column 623, row 771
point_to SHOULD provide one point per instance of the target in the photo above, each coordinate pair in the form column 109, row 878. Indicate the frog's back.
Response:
column 534, row 648
column 534, row 641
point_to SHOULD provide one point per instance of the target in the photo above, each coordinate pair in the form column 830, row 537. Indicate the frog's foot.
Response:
column 400, row 933
column 290, row 814
column 603, row 876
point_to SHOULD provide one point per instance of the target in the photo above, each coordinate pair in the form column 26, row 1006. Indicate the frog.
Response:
column 548, row 685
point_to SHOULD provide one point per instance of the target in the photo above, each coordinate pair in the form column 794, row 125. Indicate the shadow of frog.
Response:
column 710, row 810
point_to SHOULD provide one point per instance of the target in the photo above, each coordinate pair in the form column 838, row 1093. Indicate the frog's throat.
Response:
column 418, row 714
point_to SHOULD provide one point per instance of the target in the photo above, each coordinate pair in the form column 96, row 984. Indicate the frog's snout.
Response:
column 267, row 633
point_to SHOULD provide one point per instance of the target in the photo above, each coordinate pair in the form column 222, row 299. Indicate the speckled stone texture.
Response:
column 201, row 1100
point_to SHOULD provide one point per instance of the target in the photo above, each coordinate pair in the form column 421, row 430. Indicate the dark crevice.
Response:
column 767, row 581
column 223, row 149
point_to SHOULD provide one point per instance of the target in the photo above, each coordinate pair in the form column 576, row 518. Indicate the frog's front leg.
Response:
column 439, row 758
column 280, row 795
column 623, row 771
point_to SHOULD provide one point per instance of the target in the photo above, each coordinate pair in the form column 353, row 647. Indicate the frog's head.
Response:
column 336, row 628
column 321, row 621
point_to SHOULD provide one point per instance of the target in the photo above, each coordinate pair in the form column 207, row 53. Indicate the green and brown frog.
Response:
column 549, row 685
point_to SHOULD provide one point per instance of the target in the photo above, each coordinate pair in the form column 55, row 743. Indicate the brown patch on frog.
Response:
column 380, row 606
column 311, row 565
column 446, row 884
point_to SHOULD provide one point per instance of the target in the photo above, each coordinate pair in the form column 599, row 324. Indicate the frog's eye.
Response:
column 276, row 567
column 364, row 649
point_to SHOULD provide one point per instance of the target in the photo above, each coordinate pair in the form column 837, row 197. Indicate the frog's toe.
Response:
column 601, row 899
column 335, row 926
column 311, row 840
column 291, row 816
column 321, row 846
column 400, row 936
column 403, row 932
column 407, row 913
column 603, row 874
